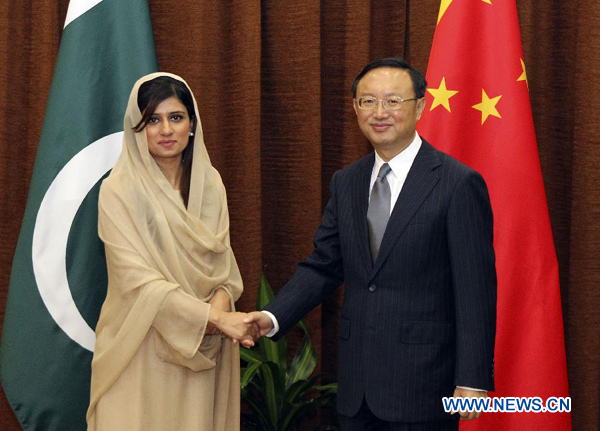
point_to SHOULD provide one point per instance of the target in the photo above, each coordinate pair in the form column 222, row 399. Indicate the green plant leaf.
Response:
column 290, row 417
column 265, row 293
column 304, row 408
column 251, row 356
column 274, row 351
column 262, row 415
column 297, row 412
column 304, row 361
column 295, row 394
column 324, row 389
column 330, row 387
column 293, row 399
column 297, row 389
column 248, row 373
column 272, row 390
column 304, row 326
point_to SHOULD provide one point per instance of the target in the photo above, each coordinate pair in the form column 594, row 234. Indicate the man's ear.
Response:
column 420, row 107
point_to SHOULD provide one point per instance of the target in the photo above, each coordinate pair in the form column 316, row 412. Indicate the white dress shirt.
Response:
column 400, row 166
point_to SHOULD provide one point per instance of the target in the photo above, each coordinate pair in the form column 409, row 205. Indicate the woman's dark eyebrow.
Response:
column 171, row 113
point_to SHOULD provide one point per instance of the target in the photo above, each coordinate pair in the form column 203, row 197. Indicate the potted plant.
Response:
column 278, row 395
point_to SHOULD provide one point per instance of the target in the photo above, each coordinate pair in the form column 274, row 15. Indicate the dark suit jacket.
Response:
column 421, row 319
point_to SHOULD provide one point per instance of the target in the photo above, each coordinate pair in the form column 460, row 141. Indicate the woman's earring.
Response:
column 191, row 133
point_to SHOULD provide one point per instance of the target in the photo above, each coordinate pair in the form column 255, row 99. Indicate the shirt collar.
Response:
column 402, row 161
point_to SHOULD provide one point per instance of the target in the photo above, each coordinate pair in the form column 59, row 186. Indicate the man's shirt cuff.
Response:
column 275, row 329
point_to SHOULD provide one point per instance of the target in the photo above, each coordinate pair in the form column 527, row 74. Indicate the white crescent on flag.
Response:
column 53, row 224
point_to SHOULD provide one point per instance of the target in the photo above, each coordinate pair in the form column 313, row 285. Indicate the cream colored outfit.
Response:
column 154, row 368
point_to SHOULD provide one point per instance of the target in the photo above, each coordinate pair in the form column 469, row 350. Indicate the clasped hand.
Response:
column 244, row 328
column 240, row 327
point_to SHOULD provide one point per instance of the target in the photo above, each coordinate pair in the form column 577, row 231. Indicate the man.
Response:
column 408, row 230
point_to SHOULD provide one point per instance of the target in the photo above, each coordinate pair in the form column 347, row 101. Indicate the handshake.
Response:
column 243, row 328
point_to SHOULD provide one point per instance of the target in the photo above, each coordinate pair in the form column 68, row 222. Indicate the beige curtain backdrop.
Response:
column 272, row 79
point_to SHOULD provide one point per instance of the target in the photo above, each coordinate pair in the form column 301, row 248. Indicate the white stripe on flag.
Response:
column 78, row 8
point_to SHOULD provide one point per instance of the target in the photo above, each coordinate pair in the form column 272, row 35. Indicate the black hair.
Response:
column 150, row 95
column 417, row 77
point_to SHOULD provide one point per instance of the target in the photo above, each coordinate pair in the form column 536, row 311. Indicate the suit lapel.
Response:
column 360, row 199
column 420, row 181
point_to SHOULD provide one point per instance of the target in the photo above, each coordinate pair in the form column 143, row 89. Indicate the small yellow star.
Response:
column 487, row 106
column 523, row 76
column 487, row 1
column 443, row 7
column 441, row 96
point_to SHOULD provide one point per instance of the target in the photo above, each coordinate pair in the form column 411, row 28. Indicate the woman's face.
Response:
column 168, row 130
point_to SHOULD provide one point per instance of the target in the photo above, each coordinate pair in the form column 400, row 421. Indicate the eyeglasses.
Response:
column 392, row 103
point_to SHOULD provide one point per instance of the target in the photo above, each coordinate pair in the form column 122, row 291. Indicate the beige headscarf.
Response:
column 160, row 255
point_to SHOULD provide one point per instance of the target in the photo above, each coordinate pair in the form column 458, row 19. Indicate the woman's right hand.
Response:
column 221, row 301
column 233, row 325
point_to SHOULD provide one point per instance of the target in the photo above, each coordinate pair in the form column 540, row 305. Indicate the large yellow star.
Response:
column 487, row 106
column 523, row 76
column 487, row 1
column 443, row 7
column 441, row 96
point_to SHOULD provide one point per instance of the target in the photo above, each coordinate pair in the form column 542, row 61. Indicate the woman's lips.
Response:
column 167, row 144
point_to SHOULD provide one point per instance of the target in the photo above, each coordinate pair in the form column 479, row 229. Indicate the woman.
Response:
column 160, row 362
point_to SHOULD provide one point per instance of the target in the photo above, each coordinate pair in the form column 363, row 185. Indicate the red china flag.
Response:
column 478, row 111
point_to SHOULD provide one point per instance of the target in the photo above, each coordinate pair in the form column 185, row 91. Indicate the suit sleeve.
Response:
column 319, row 274
column 472, row 260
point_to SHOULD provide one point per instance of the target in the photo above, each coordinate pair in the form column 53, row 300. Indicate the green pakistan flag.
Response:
column 58, row 279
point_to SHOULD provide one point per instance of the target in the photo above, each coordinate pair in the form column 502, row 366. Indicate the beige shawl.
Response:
column 164, row 263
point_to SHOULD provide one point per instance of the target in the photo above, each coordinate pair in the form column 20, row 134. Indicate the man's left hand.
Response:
column 469, row 393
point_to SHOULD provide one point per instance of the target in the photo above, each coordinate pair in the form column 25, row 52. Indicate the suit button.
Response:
column 372, row 288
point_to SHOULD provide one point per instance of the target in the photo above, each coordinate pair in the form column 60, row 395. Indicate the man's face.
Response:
column 389, row 131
